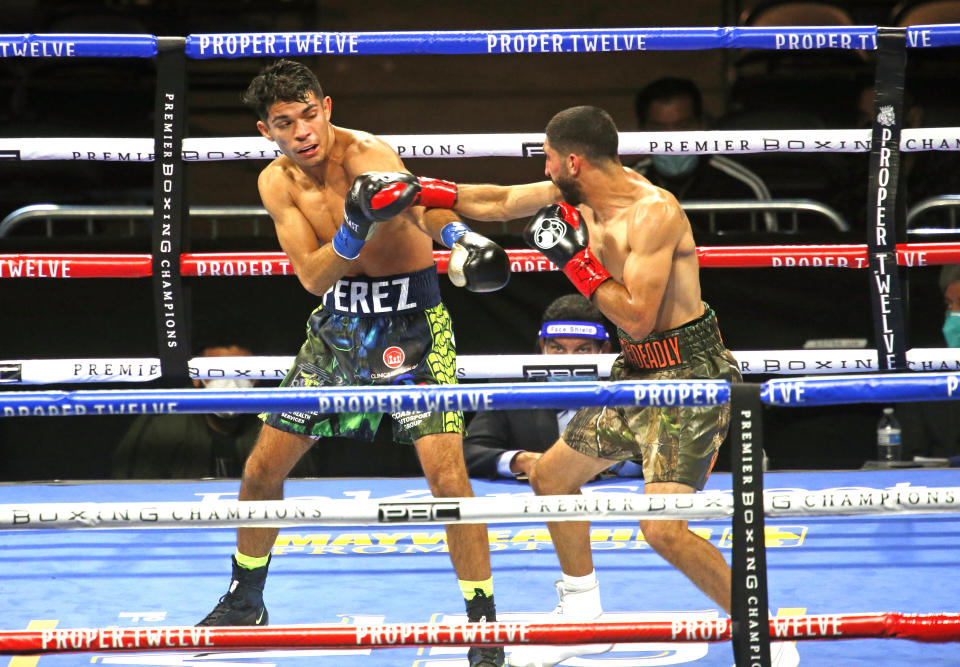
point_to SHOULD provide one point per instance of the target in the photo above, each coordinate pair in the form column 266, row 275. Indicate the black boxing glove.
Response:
column 559, row 233
column 385, row 194
column 476, row 262
column 357, row 227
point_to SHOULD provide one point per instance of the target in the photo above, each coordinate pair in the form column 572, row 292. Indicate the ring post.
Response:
column 170, row 212
column 885, row 211
column 749, row 628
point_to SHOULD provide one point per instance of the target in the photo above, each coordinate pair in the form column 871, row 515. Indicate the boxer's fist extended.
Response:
column 385, row 194
column 476, row 262
column 558, row 231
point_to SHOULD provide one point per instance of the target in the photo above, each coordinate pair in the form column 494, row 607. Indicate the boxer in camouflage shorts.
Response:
column 674, row 444
column 627, row 246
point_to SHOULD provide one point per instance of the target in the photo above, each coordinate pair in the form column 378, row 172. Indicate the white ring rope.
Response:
column 592, row 506
column 731, row 142
column 469, row 367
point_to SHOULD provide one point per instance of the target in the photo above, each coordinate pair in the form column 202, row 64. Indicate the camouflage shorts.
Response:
column 674, row 444
column 346, row 345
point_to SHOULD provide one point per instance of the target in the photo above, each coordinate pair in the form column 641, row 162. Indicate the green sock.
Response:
column 470, row 589
column 250, row 562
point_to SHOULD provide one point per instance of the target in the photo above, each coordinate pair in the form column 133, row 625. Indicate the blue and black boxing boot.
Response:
column 243, row 603
column 481, row 609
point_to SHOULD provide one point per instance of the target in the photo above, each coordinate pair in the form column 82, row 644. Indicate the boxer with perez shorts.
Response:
column 360, row 235
column 370, row 331
column 627, row 246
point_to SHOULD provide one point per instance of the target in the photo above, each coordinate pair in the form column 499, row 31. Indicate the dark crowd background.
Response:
column 758, row 308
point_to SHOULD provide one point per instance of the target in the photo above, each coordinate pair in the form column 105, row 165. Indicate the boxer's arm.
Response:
column 634, row 303
column 317, row 266
column 366, row 162
column 504, row 202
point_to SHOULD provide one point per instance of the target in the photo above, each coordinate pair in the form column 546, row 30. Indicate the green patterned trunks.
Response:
column 389, row 330
column 674, row 444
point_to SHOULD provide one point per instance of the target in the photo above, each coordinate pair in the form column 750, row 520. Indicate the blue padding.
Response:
column 243, row 45
column 402, row 573
column 862, row 389
column 78, row 46
column 365, row 399
column 452, row 231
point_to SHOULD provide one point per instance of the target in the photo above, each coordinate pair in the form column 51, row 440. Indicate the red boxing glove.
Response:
column 386, row 194
column 559, row 233
column 435, row 193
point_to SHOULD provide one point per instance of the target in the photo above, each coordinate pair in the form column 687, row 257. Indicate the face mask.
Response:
column 226, row 384
column 951, row 328
column 675, row 166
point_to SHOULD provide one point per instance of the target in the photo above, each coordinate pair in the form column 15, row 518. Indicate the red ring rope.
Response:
column 940, row 627
column 522, row 261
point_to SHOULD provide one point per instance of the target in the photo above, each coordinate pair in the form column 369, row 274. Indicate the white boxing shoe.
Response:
column 784, row 654
column 574, row 607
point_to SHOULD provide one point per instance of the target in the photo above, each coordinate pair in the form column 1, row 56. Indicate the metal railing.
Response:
column 759, row 215
column 949, row 205
column 770, row 223
column 91, row 217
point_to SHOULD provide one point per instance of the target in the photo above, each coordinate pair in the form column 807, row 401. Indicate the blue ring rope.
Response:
column 888, row 388
column 451, row 42
column 445, row 398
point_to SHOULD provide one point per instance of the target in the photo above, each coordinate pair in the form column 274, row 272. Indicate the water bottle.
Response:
column 888, row 437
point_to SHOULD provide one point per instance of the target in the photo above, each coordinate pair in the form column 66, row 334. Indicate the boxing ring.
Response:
column 131, row 573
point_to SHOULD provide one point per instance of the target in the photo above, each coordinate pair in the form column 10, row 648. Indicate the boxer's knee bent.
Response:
column 545, row 483
column 664, row 537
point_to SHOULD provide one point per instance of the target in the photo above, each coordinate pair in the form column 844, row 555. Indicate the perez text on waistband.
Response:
column 362, row 296
column 675, row 347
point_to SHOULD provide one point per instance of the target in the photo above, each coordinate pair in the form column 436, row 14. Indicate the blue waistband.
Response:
column 362, row 296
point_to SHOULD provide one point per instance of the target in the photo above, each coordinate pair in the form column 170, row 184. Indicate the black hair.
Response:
column 572, row 308
column 667, row 88
column 589, row 131
column 281, row 81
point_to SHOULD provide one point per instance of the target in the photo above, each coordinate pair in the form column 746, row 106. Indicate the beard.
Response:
column 569, row 189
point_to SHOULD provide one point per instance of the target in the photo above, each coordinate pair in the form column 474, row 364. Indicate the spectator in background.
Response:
column 506, row 443
column 931, row 429
column 192, row 446
column 950, row 289
column 672, row 104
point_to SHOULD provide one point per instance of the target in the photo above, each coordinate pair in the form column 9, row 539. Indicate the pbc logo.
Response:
column 568, row 372
column 532, row 149
column 433, row 512
column 393, row 357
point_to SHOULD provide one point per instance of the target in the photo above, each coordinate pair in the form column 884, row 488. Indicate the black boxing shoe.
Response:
column 243, row 603
column 485, row 656
column 481, row 609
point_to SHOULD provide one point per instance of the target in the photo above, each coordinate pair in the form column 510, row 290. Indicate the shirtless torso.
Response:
column 304, row 195
column 644, row 240
column 637, row 231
